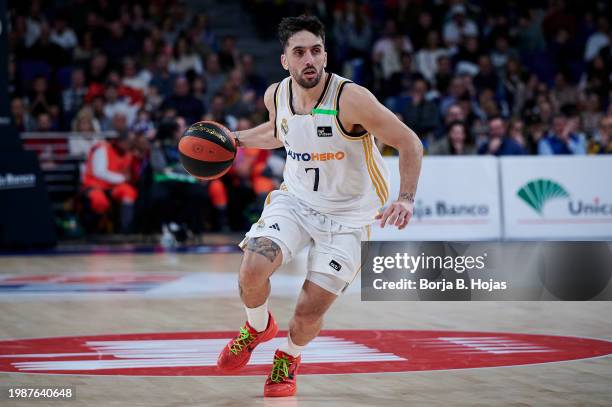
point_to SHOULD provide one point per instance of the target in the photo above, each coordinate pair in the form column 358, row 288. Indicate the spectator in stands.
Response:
column 198, row 89
column 44, row 122
column 602, row 141
column 35, row 21
column 419, row 32
column 147, row 58
column 163, row 80
column 45, row 50
column 598, row 77
column 426, row 59
column 487, row 77
column 237, row 103
column 598, row 40
column 97, row 26
column 444, row 74
column 458, row 26
column 133, row 77
column 467, row 56
column 42, row 99
column 563, row 138
column 72, row 98
column 229, row 56
column 455, row 113
column 114, row 104
column 456, row 142
column 388, row 50
column 214, row 76
column 218, row 113
column 184, row 58
column 22, row 120
column 502, row 53
column 119, row 122
column 63, row 35
column 516, row 131
column 455, row 92
column 421, row 114
column 563, row 52
column 107, row 179
column 359, row 34
column 499, row 143
column 487, row 104
column 204, row 38
column 530, row 38
column 144, row 124
column 252, row 79
column 117, row 45
column 401, row 83
column 513, row 85
column 97, row 106
column 85, row 122
column 98, row 69
column 564, row 93
column 590, row 113
column 185, row 104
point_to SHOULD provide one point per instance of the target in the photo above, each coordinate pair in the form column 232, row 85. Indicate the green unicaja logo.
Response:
column 537, row 192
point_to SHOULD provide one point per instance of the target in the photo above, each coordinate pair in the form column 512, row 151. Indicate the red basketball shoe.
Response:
column 238, row 351
column 281, row 382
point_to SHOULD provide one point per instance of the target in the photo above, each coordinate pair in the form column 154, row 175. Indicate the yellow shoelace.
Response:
column 280, row 369
column 243, row 340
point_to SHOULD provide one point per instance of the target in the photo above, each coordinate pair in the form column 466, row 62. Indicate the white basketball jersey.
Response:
column 333, row 172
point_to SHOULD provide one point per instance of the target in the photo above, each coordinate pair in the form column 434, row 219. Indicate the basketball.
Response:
column 207, row 150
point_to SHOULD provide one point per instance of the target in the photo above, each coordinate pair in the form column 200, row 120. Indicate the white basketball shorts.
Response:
column 334, row 250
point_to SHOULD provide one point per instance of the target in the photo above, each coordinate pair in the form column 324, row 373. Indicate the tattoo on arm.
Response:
column 237, row 137
column 407, row 196
column 265, row 247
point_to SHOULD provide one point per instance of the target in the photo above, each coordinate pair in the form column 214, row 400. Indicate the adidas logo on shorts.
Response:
column 275, row 226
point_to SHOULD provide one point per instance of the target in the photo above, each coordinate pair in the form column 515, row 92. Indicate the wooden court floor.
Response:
column 216, row 307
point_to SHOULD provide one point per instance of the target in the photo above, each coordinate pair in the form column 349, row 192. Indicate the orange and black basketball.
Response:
column 207, row 150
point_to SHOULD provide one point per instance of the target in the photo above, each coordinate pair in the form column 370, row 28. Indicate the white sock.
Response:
column 258, row 316
column 291, row 348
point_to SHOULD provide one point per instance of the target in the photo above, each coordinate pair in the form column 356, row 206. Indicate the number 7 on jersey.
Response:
column 316, row 182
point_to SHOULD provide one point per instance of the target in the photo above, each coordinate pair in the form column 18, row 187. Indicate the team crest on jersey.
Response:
column 324, row 131
column 261, row 224
column 285, row 126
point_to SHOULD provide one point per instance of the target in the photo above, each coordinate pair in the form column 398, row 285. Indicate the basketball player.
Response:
column 335, row 184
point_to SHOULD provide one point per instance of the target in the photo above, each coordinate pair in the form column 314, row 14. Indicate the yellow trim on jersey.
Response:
column 268, row 198
column 375, row 180
column 377, row 170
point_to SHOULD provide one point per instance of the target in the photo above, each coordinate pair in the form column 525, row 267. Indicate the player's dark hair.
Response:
column 291, row 25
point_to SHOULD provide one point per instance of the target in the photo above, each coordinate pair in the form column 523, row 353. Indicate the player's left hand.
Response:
column 398, row 214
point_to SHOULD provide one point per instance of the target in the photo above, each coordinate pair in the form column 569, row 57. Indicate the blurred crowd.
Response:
column 470, row 77
column 477, row 77
column 143, row 71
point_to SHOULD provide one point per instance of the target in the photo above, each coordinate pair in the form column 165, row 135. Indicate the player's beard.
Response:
column 309, row 83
